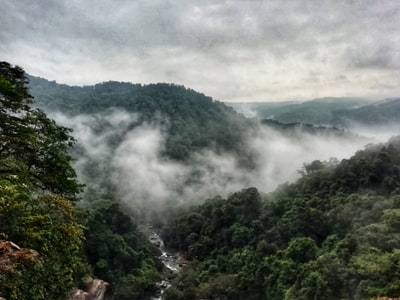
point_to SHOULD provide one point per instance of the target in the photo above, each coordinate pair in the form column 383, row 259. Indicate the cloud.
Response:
column 138, row 170
column 228, row 49
column 381, row 57
column 145, row 178
column 111, row 149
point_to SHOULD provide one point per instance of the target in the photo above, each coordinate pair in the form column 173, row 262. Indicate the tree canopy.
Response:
column 333, row 234
column 33, row 148
column 37, row 185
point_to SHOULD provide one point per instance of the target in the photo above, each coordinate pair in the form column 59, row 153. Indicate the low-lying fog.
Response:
column 131, row 157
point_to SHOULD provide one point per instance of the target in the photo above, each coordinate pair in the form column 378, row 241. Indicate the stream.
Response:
column 169, row 258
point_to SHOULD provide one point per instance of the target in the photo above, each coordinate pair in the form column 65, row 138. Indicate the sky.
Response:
column 247, row 50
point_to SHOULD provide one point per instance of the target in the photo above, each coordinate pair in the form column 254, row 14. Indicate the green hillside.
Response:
column 192, row 120
column 334, row 234
column 61, row 243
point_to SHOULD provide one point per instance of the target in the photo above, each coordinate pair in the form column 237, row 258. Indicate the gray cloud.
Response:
column 144, row 177
column 378, row 57
column 227, row 49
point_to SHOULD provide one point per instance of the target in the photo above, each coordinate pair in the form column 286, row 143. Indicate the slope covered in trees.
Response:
column 37, row 188
column 192, row 120
column 38, row 212
column 333, row 234
column 183, row 143
column 119, row 253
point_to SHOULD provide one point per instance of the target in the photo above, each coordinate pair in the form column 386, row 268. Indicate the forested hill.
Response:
column 381, row 112
column 171, row 99
column 39, row 193
column 343, row 112
column 333, row 234
column 192, row 120
column 206, row 145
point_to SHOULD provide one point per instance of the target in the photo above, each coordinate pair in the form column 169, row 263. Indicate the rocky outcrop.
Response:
column 95, row 290
column 11, row 253
column 80, row 295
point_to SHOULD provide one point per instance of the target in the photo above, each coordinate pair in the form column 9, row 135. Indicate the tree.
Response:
column 37, row 183
column 118, row 251
column 33, row 148
column 47, row 224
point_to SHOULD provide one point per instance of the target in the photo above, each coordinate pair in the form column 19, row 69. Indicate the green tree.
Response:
column 47, row 224
column 33, row 148
column 119, row 253
column 37, row 184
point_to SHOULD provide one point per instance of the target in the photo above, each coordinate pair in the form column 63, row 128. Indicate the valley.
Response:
column 259, row 208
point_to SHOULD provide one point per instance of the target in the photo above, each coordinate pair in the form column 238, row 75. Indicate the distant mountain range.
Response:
column 342, row 112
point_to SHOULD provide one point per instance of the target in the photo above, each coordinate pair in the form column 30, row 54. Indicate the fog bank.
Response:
column 111, row 148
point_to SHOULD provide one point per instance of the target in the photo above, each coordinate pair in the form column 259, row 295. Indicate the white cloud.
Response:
column 144, row 177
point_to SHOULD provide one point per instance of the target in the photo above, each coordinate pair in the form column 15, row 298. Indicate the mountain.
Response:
column 342, row 112
column 385, row 112
column 193, row 121
column 322, row 111
column 333, row 234
column 203, row 142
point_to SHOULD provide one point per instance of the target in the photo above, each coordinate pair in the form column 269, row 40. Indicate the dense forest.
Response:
column 38, row 190
column 330, row 233
column 193, row 120
column 185, row 144
column 333, row 234
column 39, row 211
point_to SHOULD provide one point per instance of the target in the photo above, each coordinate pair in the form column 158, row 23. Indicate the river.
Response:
column 170, row 260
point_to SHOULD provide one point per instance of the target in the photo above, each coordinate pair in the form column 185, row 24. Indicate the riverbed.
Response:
column 170, row 260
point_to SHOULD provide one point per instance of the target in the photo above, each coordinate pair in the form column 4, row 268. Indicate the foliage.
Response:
column 193, row 121
column 33, row 148
column 333, row 234
column 37, row 183
column 119, row 253
column 47, row 224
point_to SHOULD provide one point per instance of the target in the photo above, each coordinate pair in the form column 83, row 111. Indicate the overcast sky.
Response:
column 230, row 50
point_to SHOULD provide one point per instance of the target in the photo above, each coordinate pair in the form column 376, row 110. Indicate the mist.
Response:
column 378, row 133
column 113, row 143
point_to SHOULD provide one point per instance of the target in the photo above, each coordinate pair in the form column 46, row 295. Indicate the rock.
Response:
column 95, row 290
column 164, row 284
column 79, row 295
column 11, row 253
column 155, row 240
